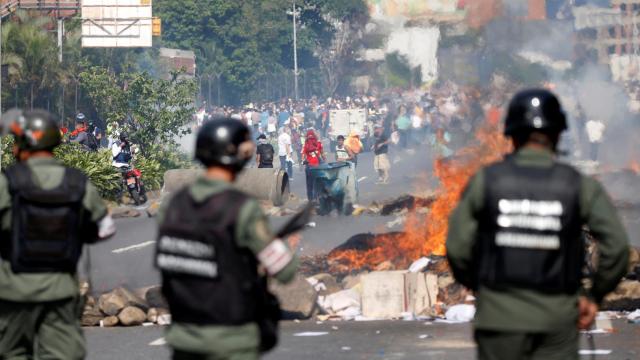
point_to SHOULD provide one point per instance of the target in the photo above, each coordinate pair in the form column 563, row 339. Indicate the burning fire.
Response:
column 426, row 234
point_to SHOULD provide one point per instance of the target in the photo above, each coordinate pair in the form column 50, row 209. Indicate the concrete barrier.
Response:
column 265, row 184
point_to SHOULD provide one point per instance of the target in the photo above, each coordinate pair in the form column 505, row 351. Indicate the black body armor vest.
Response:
column 529, row 232
column 47, row 225
column 207, row 278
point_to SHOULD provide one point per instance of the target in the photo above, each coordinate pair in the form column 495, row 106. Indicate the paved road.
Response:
column 126, row 259
column 350, row 340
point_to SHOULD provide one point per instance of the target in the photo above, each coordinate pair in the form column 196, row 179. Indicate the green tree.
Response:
column 254, row 37
column 154, row 111
column 31, row 49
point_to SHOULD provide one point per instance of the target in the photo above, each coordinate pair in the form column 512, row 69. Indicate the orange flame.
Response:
column 426, row 234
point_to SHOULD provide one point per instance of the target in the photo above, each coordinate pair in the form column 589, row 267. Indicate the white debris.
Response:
column 346, row 348
column 317, row 285
column 634, row 315
column 342, row 300
column 460, row 313
column 408, row 316
column 350, row 313
column 334, row 327
column 419, row 265
column 424, row 336
column 311, row 333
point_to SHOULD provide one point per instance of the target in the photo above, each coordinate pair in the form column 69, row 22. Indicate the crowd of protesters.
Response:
column 298, row 133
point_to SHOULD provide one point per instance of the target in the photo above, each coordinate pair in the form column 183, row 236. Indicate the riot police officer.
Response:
column 515, row 239
column 48, row 211
column 212, row 241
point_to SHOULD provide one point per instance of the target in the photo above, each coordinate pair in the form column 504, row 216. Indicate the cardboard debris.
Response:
column 389, row 294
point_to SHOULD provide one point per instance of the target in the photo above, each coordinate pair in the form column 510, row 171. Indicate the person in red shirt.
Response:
column 312, row 155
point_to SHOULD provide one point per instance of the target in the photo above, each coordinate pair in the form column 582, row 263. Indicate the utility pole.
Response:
column 60, row 35
column 295, row 53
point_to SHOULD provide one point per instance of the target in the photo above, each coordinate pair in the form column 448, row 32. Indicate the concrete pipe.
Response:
column 265, row 184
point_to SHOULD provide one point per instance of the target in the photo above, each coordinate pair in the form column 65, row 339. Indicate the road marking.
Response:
column 158, row 342
column 362, row 179
column 134, row 247
column 311, row 333
column 595, row 352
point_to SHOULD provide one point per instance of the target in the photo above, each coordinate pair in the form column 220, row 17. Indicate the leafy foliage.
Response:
column 96, row 165
column 153, row 111
column 158, row 162
column 29, row 52
column 7, row 151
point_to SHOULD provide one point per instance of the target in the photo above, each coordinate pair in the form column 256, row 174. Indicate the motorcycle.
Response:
column 132, row 182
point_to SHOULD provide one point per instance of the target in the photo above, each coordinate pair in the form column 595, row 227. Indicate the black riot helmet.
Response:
column 534, row 110
column 224, row 142
column 124, row 137
column 35, row 130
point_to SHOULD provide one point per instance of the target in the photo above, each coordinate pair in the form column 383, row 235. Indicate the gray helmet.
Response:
column 225, row 142
column 35, row 130
column 534, row 110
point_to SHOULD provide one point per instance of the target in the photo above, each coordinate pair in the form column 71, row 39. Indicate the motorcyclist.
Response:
column 122, row 155
column 121, row 151
column 82, row 135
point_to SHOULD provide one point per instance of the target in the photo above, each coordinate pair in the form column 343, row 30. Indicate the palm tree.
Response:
column 29, row 44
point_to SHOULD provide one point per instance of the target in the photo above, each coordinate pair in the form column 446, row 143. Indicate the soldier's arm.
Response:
column 463, row 225
column 604, row 223
column 254, row 233
column 99, row 215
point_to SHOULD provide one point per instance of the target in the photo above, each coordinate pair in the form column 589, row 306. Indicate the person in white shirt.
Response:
column 595, row 133
column 285, row 151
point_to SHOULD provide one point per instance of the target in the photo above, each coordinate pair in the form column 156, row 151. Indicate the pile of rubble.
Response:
column 123, row 307
column 425, row 290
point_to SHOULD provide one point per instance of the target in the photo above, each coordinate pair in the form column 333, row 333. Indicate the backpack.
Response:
column 47, row 226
